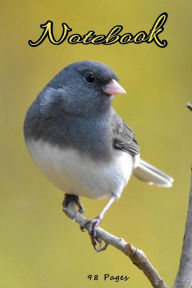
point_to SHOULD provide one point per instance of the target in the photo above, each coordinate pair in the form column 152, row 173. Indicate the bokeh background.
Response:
column 39, row 246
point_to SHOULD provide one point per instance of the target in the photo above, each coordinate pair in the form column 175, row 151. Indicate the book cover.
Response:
column 148, row 45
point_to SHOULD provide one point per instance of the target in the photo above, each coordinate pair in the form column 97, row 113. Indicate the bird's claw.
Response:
column 73, row 198
column 98, row 244
column 91, row 225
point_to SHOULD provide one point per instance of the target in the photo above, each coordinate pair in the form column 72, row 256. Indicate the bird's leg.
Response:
column 73, row 198
column 93, row 224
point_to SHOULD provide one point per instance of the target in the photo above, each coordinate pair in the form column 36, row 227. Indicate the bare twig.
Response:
column 189, row 105
column 184, row 275
column 137, row 256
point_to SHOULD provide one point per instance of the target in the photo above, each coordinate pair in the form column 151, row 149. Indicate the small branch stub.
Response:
column 189, row 105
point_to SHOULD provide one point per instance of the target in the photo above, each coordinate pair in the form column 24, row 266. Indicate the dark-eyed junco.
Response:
column 80, row 143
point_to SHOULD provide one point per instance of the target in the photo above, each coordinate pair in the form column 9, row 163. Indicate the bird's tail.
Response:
column 152, row 175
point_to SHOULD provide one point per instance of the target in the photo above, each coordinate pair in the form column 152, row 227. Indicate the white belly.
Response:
column 76, row 174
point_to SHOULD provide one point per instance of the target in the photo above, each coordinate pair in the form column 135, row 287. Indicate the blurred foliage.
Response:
column 40, row 247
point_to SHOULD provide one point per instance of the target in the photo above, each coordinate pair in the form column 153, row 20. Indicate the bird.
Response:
column 80, row 143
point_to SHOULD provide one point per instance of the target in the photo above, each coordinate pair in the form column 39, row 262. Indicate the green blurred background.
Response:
column 39, row 246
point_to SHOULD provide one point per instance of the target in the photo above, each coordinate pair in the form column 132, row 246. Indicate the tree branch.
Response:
column 184, row 275
column 137, row 256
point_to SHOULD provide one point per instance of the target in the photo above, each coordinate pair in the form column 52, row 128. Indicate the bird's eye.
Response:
column 90, row 77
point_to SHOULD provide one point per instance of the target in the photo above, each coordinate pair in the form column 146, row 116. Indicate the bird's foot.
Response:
column 73, row 198
column 91, row 225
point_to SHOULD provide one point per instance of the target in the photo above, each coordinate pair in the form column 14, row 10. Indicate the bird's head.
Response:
column 83, row 88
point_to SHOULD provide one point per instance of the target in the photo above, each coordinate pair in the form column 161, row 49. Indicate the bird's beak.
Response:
column 113, row 88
